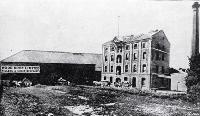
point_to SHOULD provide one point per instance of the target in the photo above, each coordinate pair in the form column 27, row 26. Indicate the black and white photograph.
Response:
column 99, row 58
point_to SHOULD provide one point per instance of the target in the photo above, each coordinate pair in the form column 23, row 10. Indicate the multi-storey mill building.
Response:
column 141, row 60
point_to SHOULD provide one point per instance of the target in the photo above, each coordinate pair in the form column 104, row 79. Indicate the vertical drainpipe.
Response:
column 150, row 75
column 102, row 59
column 139, row 62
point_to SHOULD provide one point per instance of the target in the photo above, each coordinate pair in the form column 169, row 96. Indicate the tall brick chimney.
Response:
column 195, row 34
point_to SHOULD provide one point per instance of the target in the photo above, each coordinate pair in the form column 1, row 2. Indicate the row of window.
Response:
column 127, row 47
column 127, row 57
column 126, row 79
column 118, row 69
column 160, row 47
column 158, row 56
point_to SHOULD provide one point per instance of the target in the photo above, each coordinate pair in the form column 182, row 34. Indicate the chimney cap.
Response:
column 196, row 5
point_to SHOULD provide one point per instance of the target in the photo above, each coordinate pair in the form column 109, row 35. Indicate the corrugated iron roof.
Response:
column 35, row 56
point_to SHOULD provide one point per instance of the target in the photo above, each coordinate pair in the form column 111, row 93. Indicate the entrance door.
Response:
column 118, row 80
column 133, row 82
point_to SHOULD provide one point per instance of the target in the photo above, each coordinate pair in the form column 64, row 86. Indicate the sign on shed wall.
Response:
column 20, row 69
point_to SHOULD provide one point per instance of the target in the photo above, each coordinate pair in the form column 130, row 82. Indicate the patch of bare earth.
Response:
column 91, row 101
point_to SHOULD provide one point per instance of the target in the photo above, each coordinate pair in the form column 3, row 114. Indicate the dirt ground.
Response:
column 90, row 101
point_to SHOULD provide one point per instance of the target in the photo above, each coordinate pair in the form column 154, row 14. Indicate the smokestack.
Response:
column 195, row 34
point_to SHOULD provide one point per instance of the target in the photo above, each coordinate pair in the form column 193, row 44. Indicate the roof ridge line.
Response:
column 61, row 52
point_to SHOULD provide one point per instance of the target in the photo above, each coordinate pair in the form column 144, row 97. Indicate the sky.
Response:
column 82, row 26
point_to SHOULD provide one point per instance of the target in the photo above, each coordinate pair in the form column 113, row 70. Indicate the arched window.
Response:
column 133, row 82
column 111, row 79
column 135, row 56
column 134, row 68
column 127, row 47
column 106, row 59
column 118, row 70
column 143, row 44
column 126, row 68
column 144, row 68
column 104, row 77
column 111, row 68
column 144, row 56
column 127, row 56
column 119, row 49
column 105, row 69
column 112, row 57
column 119, row 59
column 143, row 81
column 135, row 46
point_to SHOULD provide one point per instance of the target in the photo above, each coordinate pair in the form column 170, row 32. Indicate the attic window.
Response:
column 144, row 45
column 112, row 48
column 127, row 47
column 105, row 49
column 119, row 49
column 135, row 46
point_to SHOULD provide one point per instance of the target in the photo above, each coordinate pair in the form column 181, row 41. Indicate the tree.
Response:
column 193, row 78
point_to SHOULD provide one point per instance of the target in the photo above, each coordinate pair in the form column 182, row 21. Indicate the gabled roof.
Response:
column 35, row 56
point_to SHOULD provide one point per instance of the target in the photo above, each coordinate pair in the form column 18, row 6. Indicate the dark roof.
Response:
column 141, row 36
column 35, row 56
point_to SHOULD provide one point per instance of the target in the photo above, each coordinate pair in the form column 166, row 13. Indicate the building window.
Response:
column 157, row 69
column 112, row 58
column 118, row 70
column 135, row 56
column 135, row 46
column 144, row 68
column 157, row 46
column 143, row 44
column 111, row 79
column 112, row 48
column 119, row 49
column 106, row 58
column 126, row 68
column 125, row 78
column 106, row 68
column 163, row 57
column 143, row 81
column 127, row 56
column 144, row 56
column 105, row 49
column 104, row 77
column 163, row 70
column 127, row 47
column 157, row 55
column 111, row 69
column 163, row 48
column 133, row 82
column 119, row 59
column 134, row 68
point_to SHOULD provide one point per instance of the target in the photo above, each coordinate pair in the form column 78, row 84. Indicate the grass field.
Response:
column 91, row 101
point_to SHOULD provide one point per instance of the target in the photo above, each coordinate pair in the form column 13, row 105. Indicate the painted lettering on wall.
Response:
column 20, row 69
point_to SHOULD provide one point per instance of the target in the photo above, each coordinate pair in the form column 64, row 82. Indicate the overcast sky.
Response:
column 84, row 25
